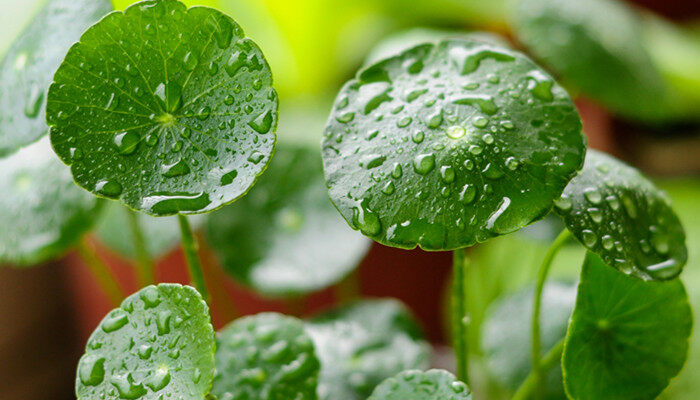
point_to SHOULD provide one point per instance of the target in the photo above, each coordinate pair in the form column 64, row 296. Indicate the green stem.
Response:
column 189, row 245
column 542, row 273
column 103, row 275
column 145, row 269
column 552, row 358
column 460, row 317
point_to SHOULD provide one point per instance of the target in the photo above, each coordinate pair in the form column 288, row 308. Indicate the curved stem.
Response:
column 460, row 317
column 189, row 245
column 548, row 362
column 103, row 275
column 145, row 268
column 536, row 339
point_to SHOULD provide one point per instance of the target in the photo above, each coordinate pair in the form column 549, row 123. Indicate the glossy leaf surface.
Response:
column 595, row 45
column 29, row 65
column 620, row 215
column 506, row 335
column 419, row 385
column 364, row 343
column 158, row 344
column 168, row 109
column 285, row 237
column 161, row 234
column 627, row 337
column 43, row 213
column 450, row 144
column 267, row 357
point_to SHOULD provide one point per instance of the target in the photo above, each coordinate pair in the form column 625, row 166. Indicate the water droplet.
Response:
column 108, row 188
column 159, row 379
column 345, row 118
column 389, row 188
column 475, row 149
column 613, row 202
column 178, row 168
column 366, row 220
column 629, row 206
column 227, row 178
column 418, row 137
column 435, row 120
column 262, row 123
column 480, row 122
column 256, row 157
column 659, row 240
column 372, row 161
column 424, row 163
column 404, row 122
column 540, row 85
column 492, row 171
column 468, row 194
column 34, row 102
column 487, row 138
column 589, row 238
column 127, row 142
column 608, row 242
column 512, row 164
column 473, row 60
column 484, row 102
column 127, row 388
column 563, row 203
column 91, row 370
column 596, row 215
column 397, row 172
column 114, row 321
column 190, row 61
column 447, row 173
column 145, row 351
column 497, row 215
column 456, row 132
column 592, row 195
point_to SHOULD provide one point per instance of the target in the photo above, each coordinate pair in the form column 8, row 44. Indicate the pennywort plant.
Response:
column 166, row 117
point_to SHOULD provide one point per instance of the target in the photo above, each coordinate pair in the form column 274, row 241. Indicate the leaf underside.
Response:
column 30, row 63
column 627, row 337
column 449, row 144
column 168, row 109
column 285, row 238
column 268, row 357
column 158, row 344
column 620, row 215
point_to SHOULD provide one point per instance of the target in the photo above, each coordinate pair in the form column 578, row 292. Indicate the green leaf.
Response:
column 506, row 335
column 627, row 337
column 43, row 213
column 162, row 234
column 27, row 69
column 168, row 109
column 285, row 237
column 266, row 356
column 396, row 44
column 158, row 344
column 596, row 45
column 419, row 385
column 362, row 344
column 448, row 144
column 620, row 215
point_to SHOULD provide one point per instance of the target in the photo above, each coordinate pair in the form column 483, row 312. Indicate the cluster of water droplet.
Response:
column 420, row 385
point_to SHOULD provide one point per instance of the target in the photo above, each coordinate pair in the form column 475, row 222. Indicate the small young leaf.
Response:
column 362, row 344
column 506, row 335
column 266, row 356
column 162, row 234
column 418, row 385
column 285, row 238
column 43, row 213
column 627, row 337
column 597, row 46
column 158, row 344
column 620, row 215
column 169, row 109
column 27, row 68
column 448, row 144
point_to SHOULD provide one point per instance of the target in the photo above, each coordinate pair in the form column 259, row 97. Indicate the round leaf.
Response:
column 419, row 385
column 28, row 67
column 448, row 144
column 506, row 335
column 158, row 344
column 620, row 215
column 266, row 356
column 43, row 213
column 362, row 344
column 285, row 237
column 168, row 109
column 627, row 337
column 162, row 234
column 597, row 46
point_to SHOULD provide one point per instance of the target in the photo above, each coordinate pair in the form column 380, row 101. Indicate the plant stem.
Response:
column 103, row 275
column 189, row 245
column 536, row 340
column 460, row 317
column 145, row 269
column 546, row 363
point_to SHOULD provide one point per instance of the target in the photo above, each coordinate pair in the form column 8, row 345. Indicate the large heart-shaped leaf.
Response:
column 266, row 356
column 364, row 343
column 162, row 234
column 28, row 66
column 42, row 212
column 418, row 385
column 627, row 337
column 159, row 344
column 596, row 45
column 168, row 109
column 506, row 335
column 620, row 215
column 285, row 238
column 448, row 144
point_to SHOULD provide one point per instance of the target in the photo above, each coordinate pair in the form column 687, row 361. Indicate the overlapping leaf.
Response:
column 419, row 385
